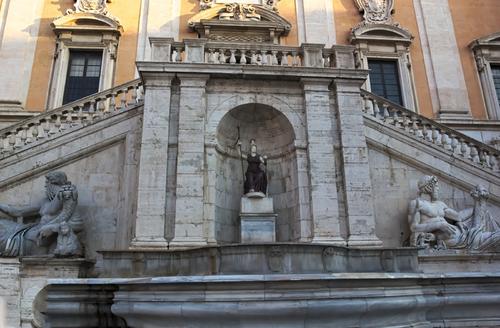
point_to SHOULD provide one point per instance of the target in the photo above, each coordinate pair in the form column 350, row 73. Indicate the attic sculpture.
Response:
column 57, row 222
column 239, row 12
column 434, row 224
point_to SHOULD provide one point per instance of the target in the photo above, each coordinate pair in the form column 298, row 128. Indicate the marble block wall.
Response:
column 395, row 184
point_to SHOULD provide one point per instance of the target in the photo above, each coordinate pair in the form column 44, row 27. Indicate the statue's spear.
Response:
column 241, row 158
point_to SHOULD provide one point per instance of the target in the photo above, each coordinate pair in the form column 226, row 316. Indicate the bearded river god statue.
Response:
column 54, row 231
column 434, row 224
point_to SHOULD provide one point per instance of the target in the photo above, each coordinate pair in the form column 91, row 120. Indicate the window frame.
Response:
column 395, row 61
column 486, row 52
column 103, row 36
column 68, row 69
column 387, row 42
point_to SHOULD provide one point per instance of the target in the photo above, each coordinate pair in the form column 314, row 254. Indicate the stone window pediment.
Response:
column 238, row 22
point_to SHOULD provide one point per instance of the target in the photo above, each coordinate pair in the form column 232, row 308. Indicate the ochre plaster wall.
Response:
column 44, row 54
column 347, row 16
column 474, row 19
column 286, row 9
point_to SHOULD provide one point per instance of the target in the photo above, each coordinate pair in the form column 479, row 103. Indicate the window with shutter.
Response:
column 84, row 74
column 384, row 79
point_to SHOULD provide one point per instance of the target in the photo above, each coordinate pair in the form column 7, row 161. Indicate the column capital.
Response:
column 193, row 80
column 348, row 85
column 316, row 84
column 157, row 79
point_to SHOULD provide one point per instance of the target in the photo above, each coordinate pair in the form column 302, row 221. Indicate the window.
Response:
column 84, row 73
column 495, row 72
column 487, row 55
column 384, row 79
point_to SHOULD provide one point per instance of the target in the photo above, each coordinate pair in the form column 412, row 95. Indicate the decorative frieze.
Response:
column 269, row 4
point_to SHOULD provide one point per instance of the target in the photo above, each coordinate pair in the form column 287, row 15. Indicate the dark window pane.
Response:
column 495, row 69
column 84, row 73
column 384, row 79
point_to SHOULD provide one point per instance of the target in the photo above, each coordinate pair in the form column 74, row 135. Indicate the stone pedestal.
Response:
column 21, row 280
column 258, row 220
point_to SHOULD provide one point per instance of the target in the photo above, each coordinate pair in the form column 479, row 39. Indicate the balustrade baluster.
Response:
column 211, row 56
column 264, row 60
column 425, row 131
column 123, row 99
column 18, row 143
column 368, row 105
column 243, row 57
column 385, row 112
column 253, row 57
column 112, row 102
column 91, row 111
column 474, row 153
column 464, row 149
column 295, row 59
column 274, row 58
column 29, row 134
column 284, row 58
column 454, row 145
column 2, row 145
column 222, row 56
column 376, row 109
column 435, row 135
column 232, row 59
column 10, row 142
column 140, row 93
column 133, row 97
column 445, row 141
column 395, row 118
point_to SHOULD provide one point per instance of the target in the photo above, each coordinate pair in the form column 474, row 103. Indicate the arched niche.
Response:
column 275, row 138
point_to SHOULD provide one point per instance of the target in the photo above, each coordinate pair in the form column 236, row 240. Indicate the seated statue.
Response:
column 427, row 214
column 432, row 222
column 255, row 177
column 56, row 208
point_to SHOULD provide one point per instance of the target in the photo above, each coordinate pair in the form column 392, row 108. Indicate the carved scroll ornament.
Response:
column 90, row 6
column 376, row 11
column 239, row 12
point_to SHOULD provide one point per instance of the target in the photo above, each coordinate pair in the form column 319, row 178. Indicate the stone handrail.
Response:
column 79, row 113
column 209, row 52
column 449, row 140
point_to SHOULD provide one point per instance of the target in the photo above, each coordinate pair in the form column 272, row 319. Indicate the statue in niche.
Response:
column 433, row 223
column 56, row 210
column 255, row 176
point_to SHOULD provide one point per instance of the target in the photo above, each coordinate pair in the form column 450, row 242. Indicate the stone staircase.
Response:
column 450, row 142
column 58, row 121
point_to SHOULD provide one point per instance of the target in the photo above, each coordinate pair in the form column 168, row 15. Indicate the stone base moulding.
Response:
column 258, row 220
column 290, row 300
column 22, row 279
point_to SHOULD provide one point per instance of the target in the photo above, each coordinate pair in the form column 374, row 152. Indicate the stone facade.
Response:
column 160, row 175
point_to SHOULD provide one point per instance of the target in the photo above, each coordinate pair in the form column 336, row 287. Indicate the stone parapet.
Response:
column 280, row 300
column 257, row 259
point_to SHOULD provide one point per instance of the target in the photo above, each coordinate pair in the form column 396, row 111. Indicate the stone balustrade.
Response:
column 451, row 141
column 208, row 52
column 79, row 113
